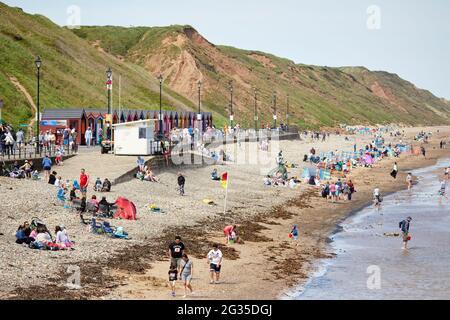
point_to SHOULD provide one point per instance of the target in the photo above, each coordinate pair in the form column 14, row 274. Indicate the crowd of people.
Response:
column 37, row 236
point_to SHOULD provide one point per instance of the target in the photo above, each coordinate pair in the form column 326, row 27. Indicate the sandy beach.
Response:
column 265, row 267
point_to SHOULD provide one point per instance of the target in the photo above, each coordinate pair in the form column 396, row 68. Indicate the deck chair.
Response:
column 108, row 229
column 96, row 227
column 76, row 205
column 91, row 208
column 104, row 211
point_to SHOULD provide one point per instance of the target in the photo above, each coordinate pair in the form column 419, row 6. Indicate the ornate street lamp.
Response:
column 275, row 109
column 161, row 134
column 256, row 109
column 287, row 113
column 38, row 63
column 109, row 74
column 231, row 103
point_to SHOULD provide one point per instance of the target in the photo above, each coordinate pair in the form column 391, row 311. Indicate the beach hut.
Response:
column 176, row 120
column 134, row 138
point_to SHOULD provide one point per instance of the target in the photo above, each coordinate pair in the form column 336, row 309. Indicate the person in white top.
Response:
column 215, row 263
column 377, row 198
column 88, row 137
column 58, row 182
column 409, row 180
column 394, row 171
column 62, row 238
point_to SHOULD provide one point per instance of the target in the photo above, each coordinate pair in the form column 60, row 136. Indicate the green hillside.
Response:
column 73, row 72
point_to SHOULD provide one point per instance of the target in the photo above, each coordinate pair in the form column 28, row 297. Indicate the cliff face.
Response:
column 319, row 96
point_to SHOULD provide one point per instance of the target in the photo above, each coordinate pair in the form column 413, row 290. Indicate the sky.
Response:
column 408, row 37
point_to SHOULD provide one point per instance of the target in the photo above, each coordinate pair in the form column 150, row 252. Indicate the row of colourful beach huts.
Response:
column 81, row 119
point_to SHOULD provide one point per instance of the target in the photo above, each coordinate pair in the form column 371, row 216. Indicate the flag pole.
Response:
column 226, row 196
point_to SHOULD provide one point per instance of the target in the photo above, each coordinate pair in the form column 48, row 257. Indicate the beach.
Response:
column 267, row 266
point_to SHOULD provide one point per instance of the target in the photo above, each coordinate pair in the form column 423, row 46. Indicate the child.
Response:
column 58, row 158
column 58, row 182
column 215, row 175
column 35, row 175
column 173, row 277
column 98, row 185
column 294, row 233
column 181, row 183
column 61, row 194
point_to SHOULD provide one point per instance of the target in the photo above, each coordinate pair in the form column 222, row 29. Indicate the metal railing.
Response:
column 29, row 151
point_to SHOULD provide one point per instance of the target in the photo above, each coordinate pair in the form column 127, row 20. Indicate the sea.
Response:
column 370, row 263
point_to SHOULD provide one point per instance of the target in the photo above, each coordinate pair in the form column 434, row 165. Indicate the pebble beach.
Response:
column 27, row 273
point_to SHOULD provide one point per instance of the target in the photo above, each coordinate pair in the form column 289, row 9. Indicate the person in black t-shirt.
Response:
column 176, row 250
column 173, row 277
column 52, row 178
column 181, row 183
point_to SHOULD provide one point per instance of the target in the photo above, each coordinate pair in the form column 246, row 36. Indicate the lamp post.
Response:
column 109, row 74
column 161, row 134
column 275, row 109
column 1, row 107
column 107, row 133
column 256, row 109
column 199, row 115
column 231, row 104
column 287, row 113
column 38, row 63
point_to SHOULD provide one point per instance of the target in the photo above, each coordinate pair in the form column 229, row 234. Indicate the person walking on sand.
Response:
column 176, row 251
column 215, row 264
column 333, row 192
column 88, row 137
column 404, row 227
column 187, row 273
column 294, row 234
column 351, row 186
column 181, row 183
column 394, row 171
column 424, row 152
column 409, row 181
column 173, row 277
column 47, row 166
column 84, row 183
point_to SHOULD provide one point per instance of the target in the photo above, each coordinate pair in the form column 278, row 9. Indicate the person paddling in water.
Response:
column 409, row 181
column 377, row 198
column 404, row 226
column 443, row 191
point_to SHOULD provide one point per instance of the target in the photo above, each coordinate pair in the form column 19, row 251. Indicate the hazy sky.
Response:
column 407, row 37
